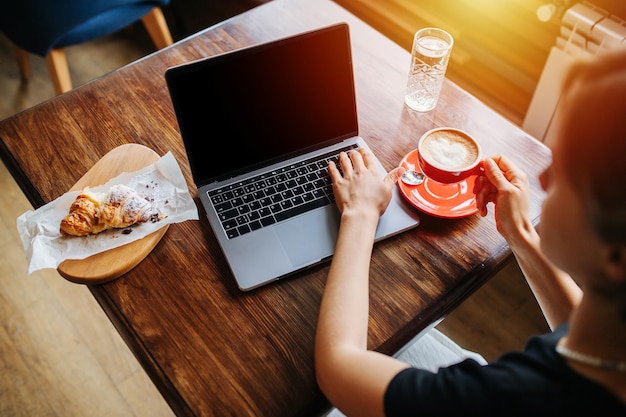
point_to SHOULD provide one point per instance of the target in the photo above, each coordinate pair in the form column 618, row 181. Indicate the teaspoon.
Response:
column 412, row 177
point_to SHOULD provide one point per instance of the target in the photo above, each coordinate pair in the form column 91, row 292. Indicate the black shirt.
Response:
column 535, row 382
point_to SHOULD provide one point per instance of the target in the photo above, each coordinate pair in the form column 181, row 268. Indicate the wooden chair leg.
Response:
column 23, row 62
column 157, row 28
column 59, row 71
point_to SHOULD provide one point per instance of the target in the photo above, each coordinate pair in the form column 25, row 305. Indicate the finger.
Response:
column 479, row 183
column 482, row 206
column 481, row 202
column 369, row 158
column 357, row 160
column 485, row 193
column 346, row 164
column 393, row 176
column 333, row 171
column 509, row 170
column 504, row 163
column 478, row 191
column 494, row 174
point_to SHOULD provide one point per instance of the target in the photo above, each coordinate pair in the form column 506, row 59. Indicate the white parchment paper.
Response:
column 161, row 183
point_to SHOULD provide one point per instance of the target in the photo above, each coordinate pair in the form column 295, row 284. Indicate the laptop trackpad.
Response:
column 310, row 238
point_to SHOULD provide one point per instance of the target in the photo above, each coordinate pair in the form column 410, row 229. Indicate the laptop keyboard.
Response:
column 276, row 195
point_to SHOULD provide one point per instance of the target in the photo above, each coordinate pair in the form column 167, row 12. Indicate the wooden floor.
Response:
column 59, row 354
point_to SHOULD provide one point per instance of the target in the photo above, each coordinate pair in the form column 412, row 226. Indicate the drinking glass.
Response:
column 429, row 61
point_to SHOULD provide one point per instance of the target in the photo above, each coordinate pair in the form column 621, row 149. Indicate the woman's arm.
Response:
column 507, row 187
column 353, row 378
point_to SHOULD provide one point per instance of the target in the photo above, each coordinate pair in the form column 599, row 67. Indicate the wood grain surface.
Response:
column 211, row 349
column 106, row 266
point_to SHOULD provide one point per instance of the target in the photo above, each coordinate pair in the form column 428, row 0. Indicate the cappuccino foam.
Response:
column 449, row 150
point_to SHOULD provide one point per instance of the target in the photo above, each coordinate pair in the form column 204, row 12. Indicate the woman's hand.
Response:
column 505, row 185
column 361, row 188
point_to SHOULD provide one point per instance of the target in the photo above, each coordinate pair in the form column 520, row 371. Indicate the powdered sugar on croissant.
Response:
column 92, row 213
column 124, row 207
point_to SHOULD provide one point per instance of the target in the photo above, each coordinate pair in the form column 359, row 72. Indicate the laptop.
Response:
column 259, row 125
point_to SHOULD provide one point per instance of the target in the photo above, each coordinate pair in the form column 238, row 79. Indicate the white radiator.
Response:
column 585, row 30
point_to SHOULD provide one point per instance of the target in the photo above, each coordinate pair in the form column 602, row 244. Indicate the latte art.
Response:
column 449, row 150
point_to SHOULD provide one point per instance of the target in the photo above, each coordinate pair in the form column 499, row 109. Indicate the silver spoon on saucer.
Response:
column 412, row 177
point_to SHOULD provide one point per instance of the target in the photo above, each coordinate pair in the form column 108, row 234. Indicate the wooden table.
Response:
column 211, row 349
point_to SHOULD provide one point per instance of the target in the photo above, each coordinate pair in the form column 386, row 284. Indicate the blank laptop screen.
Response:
column 257, row 104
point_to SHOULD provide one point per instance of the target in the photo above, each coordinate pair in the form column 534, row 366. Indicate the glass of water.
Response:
column 429, row 60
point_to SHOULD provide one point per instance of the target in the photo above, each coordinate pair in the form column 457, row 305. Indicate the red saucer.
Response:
column 438, row 199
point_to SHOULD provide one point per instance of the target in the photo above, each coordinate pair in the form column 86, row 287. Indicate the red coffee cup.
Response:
column 449, row 155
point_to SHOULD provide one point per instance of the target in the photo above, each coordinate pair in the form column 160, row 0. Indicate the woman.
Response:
column 575, row 264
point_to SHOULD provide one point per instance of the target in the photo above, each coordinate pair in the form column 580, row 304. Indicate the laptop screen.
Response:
column 261, row 103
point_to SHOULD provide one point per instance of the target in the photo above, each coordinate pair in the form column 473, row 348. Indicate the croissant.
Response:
column 92, row 213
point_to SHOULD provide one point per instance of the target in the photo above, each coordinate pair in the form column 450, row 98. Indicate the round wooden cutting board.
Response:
column 106, row 266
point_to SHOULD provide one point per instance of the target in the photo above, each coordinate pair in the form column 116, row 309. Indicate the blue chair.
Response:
column 45, row 27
